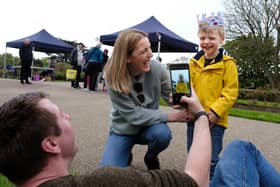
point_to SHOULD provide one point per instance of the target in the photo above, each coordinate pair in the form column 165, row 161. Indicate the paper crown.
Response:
column 213, row 20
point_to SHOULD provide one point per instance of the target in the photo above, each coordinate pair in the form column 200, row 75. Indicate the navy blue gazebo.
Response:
column 162, row 39
column 42, row 41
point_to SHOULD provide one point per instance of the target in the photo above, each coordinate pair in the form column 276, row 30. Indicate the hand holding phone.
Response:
column 180, row 81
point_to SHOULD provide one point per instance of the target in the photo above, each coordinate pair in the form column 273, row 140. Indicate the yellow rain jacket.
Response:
column 216, row 85
column 181, row 87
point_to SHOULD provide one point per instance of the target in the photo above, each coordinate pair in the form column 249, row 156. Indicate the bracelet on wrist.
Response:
column 201, row 113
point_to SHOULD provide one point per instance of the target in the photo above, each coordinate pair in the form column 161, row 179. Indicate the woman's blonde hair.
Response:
column 116, row 70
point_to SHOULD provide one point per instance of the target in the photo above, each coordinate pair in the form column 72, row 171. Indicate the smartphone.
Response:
column 180, row 81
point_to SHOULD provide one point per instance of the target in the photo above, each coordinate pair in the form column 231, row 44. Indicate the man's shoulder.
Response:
column 113, row 176
column 61, row 181
column 105, row 176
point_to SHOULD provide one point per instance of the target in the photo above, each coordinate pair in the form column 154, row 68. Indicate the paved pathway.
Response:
column 90, row 113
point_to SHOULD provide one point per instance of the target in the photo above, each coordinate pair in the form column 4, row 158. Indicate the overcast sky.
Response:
column 84, row 20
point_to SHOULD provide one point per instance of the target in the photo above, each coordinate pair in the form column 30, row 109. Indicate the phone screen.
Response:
column 180, row 81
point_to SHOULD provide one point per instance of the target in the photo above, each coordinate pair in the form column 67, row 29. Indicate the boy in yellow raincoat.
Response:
column 214, row 78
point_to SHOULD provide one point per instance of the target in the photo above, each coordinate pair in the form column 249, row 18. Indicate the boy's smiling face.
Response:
column 210, row 41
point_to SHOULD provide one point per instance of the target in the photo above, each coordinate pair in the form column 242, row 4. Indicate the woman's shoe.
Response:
column 152, row 163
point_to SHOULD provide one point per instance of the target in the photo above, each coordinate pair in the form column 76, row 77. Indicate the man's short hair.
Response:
column 23, row 126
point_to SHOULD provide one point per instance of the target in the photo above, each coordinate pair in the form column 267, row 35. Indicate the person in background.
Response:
column 135, row 84
column 49, row 73
column 214, row 77
column 26, row 57
column 52, row 70
column 94, row 60
column 77, row 60
column 105, row 59
column 74, row 58
column 46, row 133
column 81, row 61
column 86, row 77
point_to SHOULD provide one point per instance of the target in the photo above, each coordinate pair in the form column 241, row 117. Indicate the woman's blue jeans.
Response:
column 217, row 135
column 243, row 165
column 118, row 147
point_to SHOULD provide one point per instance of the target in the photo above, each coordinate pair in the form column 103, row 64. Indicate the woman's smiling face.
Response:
column 139, row 60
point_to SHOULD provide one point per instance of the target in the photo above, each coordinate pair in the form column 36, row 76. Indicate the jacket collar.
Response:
column 218, row 58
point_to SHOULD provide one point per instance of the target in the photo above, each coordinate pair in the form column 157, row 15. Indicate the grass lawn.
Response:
column 256, row 115
column 4, row 182
column 258, row 103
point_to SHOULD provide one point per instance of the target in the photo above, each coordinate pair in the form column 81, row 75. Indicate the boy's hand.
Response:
column 212, row 118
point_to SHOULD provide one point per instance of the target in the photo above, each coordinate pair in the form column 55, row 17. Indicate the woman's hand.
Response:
column 180, row 116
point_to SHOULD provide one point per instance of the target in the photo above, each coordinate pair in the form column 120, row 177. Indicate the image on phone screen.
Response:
column 180, row 81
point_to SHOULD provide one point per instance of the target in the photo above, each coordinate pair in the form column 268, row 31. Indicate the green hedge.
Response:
column 260, row 95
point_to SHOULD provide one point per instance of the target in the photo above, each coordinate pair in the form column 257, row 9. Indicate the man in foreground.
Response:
column 38, row 144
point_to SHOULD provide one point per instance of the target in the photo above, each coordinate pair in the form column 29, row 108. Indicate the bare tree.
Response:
column 261, row 19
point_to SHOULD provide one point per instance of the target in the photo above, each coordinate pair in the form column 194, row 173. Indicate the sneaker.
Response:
column 28, row 82
column 152, row 163
column 21, row 82
column 130, row 158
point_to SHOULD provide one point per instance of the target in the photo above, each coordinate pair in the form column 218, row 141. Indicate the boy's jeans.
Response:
column 243, row 165
column 217, row 134
column 118, row 147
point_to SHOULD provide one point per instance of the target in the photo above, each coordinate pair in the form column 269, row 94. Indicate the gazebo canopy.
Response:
column 159, row 35
column 43, row 42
